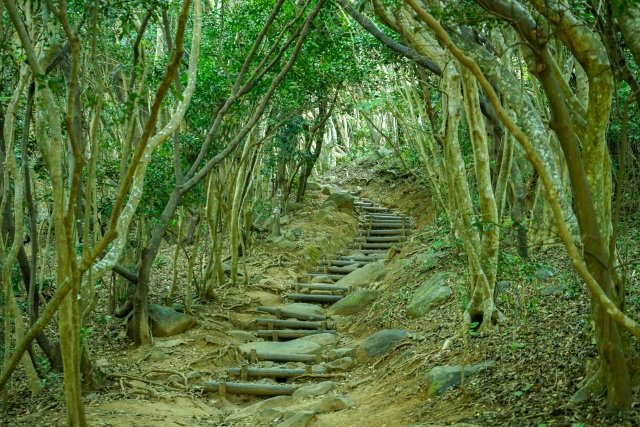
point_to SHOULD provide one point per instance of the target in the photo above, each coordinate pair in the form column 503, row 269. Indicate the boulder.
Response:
column 354, row 302
column 340, row 352
column 442, row 378
column 364, row 276
column 430, row 294
column 297, row 346
column 301, row 308
column 344, row 201
column 544, row 274
column 313, row 186
column 333, row 404
column 316, row 389
column 325, row 340
column 166, row 322
column 427, row 260
column 284, row 243
column 261, row 406
column 380, row 343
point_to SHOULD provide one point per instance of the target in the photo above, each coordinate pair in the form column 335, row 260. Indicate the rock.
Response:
column 285, row 219
column 427, row 260
column 354, row 302
column 312, row 186
column 343, row 323
column 544, row 274
column 102, row 363
column 430, row 294
column 293, row 206
column 166, row 322
column 344, row 201
column 301, row 308
column 298, row 419
column 192, row 375
column 325, row 213
column 333, row 404
column 323, row 279
column 502, row 286
column 261, row 406
column 553, row 290
column 342, row 364
column 442, row 378
column 340, row 352
column 284, row 243
column 325, row 340
column 242, row 335
column 380, row 343
column 157, row 356
column 316, row 389
column 297, row 346
column 364, row 276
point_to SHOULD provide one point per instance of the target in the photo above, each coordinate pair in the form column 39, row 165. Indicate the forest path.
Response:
column 303, row 352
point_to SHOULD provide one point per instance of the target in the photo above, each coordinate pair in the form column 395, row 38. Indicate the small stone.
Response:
column 317, row 389
column 312, row 186
column 323, row 279
column 544, row 274
column 340, row 352
column 553, row 290
column 261, row 406
column 342, row 364
column 286, row 244
column 285, row 219
column 157, row 356
column 298, row 419
column 333, row 404
column 102, row 363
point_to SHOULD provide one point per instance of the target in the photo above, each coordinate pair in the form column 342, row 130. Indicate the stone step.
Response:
column 314, row 298
column 279, row 312
column 245, row 372
column 297, row 324
column 288, row 334
column 248, row 388
column 321, row 287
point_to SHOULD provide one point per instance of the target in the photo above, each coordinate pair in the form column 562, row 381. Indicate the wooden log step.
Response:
column 342, row 262
column 296, row 324
column 336, row 276
column 276, row 334
column 283, row 357
column 379, row 239
column 321, row 287
column 375, row 208
column 248, row 388
column 387, row 225
column 245, row 372
column 314, row 298
column 386, row 218
column 382, row 232
column 367, row 259
column 282, row 312
column 382, row 245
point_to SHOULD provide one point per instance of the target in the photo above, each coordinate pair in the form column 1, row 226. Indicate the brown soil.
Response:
column 540, row 348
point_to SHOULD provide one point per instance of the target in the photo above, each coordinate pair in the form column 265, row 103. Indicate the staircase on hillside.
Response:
column 382, row 231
